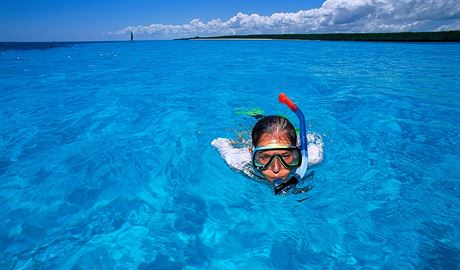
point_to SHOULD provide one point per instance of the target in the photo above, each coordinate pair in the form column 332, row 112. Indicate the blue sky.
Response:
column 52, row 20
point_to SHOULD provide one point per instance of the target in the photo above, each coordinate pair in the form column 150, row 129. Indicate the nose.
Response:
column 276, row 165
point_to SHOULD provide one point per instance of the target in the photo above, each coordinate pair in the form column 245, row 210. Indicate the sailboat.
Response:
column 132, row 36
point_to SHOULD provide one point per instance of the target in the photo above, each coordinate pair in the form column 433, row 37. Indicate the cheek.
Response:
column 285, row 172
column 267, row 173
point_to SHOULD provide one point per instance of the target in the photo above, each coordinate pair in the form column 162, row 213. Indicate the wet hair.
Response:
column 273, row 124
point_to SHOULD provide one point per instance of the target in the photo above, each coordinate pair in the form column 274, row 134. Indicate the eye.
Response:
column 286, row 155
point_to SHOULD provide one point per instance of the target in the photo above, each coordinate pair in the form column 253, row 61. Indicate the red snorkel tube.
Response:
column 300, row 172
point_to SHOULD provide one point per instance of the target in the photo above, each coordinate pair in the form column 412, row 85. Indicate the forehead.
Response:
column 269, row 138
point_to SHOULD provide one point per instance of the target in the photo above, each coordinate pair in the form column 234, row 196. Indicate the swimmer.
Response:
column 274, row 155
column 274, row 148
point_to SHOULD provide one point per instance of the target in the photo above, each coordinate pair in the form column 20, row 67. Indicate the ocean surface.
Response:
column 106, row 161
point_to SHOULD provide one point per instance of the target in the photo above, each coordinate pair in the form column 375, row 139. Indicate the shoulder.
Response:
column 315, row 154
column 315, row 148
column 235, row 157
column 227, row 147
column 219, row 143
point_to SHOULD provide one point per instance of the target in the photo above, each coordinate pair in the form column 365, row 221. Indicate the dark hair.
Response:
column 273, row 124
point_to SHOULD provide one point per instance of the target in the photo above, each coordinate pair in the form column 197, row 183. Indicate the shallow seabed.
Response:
column 106, row 162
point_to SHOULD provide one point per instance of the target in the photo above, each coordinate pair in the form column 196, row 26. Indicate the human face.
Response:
column 276, row 168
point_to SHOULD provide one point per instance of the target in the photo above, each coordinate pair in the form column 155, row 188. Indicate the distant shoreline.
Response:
column 228, row 39
column 445, row 36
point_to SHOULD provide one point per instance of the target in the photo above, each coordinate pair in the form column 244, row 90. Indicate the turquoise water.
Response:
column 106, row 162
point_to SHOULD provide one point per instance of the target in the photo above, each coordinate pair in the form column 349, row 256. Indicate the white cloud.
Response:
column 332, row 16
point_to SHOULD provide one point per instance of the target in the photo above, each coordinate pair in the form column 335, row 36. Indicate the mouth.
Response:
column 271, row 179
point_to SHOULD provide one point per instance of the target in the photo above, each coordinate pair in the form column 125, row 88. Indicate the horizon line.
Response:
column 228, row 36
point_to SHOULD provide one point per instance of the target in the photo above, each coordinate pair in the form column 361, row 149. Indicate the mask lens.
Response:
column 290, row 157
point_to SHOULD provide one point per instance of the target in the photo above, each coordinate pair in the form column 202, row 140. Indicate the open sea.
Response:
column 106, row 161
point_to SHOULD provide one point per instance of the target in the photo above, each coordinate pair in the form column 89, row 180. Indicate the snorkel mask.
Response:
column 263, row 157
column 292, row 159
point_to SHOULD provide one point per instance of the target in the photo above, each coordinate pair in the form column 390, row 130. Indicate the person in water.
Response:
column 274, row 148
column 273, row 155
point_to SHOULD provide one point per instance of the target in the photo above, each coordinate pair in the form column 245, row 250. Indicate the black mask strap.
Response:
column 292, row 181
